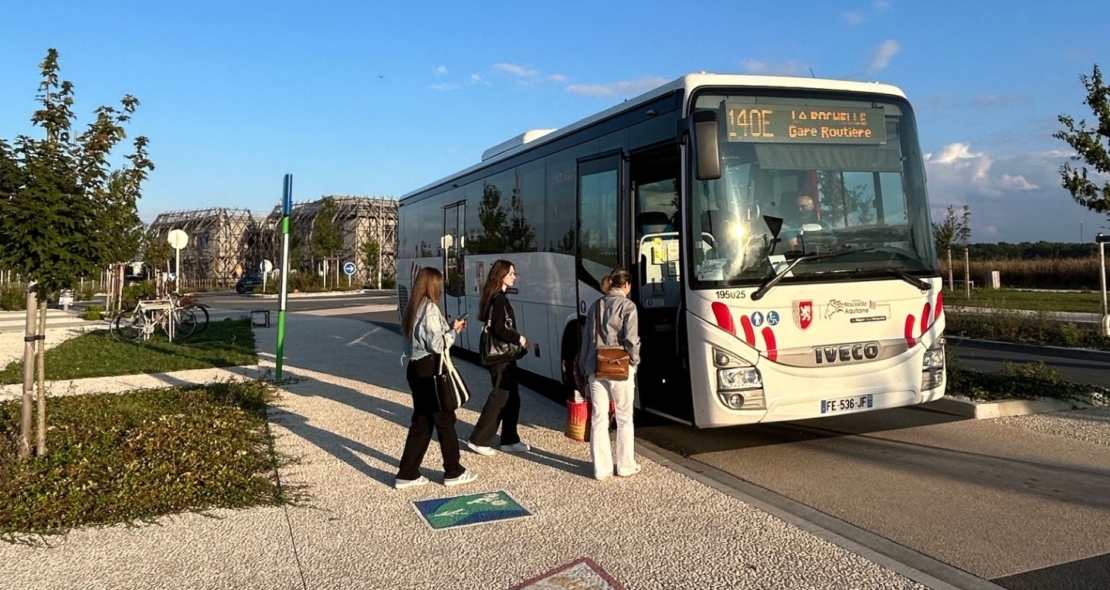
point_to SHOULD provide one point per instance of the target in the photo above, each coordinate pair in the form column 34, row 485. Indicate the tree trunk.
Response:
column 28, row 378
column 41, row 354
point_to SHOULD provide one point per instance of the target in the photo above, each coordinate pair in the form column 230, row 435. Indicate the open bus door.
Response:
column 663, row 380
column 453, row 245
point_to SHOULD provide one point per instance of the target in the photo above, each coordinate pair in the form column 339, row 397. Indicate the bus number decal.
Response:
column 732, row 295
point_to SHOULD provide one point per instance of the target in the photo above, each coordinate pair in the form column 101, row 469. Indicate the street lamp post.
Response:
column 1101, row 240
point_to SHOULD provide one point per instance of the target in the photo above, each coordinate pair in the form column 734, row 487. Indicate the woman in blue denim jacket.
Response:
column 427, row 336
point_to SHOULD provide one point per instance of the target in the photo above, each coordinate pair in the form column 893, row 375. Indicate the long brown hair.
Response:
column 492, row 287
column 428, row 285
column 616, row 279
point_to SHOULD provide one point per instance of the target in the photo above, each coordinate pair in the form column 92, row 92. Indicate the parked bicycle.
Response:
column 150, row 315
column 190, row 301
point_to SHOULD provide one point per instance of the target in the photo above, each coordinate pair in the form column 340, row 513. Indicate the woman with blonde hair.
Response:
column 427, row 337
column 616, row 328
column 503, row 404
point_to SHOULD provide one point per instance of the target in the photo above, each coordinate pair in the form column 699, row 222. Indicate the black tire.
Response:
column 201, row 312
column 128, row 326
column 185, row 323
column 240, row 289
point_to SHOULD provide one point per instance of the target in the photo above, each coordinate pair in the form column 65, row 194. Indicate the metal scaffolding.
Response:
column 359, row 219
column 223, row 243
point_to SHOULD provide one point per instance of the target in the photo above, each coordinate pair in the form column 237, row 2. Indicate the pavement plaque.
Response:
column 580, row 574
column 457, row 511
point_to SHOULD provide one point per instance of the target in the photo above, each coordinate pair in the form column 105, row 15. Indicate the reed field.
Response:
column 1036, row 273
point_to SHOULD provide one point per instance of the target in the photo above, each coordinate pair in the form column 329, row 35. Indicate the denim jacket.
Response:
column 428, row 332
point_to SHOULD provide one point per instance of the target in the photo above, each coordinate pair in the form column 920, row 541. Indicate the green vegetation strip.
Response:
column 1085, row 302
column 122, row 458
column 1021, row 329
column 97, row 354
column 1016, row 381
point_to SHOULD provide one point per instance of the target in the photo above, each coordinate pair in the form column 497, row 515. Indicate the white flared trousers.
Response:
column 622, row 393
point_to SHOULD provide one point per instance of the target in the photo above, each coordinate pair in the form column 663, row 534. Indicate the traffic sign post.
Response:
column 178, row 239
column 349, row 268
column 286, row 210
column 265, row 267
column 1101, row 240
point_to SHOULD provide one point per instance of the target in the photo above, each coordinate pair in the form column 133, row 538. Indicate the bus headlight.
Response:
column 738, row 378
column 932, row 368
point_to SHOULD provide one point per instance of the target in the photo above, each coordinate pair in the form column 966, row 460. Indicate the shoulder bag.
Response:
column 492, row 351
column 451, row 390
column 612, row 363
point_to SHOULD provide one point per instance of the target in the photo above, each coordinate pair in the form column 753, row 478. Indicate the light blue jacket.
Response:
column 428, row 332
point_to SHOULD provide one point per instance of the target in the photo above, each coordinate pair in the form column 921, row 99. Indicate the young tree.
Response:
column 954, row 230
column 327, row 239
column 1091, row 146
column 369, row 252
column 156, row 250
column 64, row 212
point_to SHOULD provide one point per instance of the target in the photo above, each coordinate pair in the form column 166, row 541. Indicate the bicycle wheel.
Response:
column 201, row 312
column 128, row 326
column 185, row 322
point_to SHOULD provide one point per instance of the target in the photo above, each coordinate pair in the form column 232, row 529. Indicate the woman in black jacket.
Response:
column 503, row 404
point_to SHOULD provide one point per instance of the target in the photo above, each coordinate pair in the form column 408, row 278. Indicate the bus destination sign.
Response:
column 801, row 124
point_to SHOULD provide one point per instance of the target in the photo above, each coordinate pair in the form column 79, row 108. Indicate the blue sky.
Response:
column 381, row 98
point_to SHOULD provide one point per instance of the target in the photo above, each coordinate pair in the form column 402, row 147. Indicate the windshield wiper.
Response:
column 773, row 279
column 905, row 276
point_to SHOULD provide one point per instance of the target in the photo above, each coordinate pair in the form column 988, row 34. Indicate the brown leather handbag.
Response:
column 612, row 363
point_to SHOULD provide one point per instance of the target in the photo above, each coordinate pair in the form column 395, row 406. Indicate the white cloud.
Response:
column 881, row 55
column 445, row 87
column 880, row 5
column 1013, row 198
column 515, row 70
column 853, row 18
column 440, row 71
column 785, row 68
column 624, row 88
column 557, row 78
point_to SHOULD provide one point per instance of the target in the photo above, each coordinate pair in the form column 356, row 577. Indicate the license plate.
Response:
column 847, row 404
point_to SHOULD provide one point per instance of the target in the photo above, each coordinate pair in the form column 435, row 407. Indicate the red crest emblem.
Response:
column 803, row 313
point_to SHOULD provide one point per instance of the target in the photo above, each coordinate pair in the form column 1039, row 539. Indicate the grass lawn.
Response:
column 132, row 457
column 96, row 354
column 1088, row 302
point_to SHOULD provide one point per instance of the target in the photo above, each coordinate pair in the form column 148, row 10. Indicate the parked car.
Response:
column 248, row 282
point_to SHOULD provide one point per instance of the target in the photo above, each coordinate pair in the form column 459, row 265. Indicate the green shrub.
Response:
column 12, row 298
column 86, row 293
column 93, row 313
column 133, row 293
column 1024, row 329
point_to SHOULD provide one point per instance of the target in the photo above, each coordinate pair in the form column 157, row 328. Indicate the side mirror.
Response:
column 707, row 150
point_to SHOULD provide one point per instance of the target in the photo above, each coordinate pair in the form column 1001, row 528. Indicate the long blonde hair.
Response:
column 428, row 285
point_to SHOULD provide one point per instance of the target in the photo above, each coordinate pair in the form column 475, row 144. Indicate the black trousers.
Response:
column 502, row 408
column 423, row 419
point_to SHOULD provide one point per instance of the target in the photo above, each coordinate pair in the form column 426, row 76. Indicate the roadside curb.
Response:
column 324, row 294
column 1087, row 354
column 1002, row 408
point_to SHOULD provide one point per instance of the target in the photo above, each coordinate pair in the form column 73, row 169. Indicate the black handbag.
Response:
column 451, row 390
column 493, row 351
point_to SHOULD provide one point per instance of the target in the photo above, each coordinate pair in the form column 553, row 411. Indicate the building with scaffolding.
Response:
column 358, row 219
column 223, row 244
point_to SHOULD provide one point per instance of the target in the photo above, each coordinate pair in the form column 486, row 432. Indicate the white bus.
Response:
column 751, row 309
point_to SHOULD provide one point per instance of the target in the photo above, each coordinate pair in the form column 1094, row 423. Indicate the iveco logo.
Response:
column 847, row 353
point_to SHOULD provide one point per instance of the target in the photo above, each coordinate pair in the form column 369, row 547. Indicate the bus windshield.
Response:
column 826, row 175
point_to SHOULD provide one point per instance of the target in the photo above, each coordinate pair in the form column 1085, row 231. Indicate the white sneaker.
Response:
column 520, row 447
column 466, row 477
column 401, row 484
column 634, row 471
column 480, row 449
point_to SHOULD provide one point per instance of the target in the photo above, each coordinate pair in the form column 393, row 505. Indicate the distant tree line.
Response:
column 1029, row 250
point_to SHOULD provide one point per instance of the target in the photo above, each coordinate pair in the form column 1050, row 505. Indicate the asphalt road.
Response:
column 1025, row 509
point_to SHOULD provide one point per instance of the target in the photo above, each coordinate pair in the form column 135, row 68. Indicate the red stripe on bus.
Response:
column 940, row 306
column 724, row 317
column 926, row 316
column 749, row 331
column 909, row 331
column 772, row 348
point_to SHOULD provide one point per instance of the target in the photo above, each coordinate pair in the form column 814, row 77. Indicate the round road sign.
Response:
column 178, row 239
column 266, row 266
column 349, row 268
